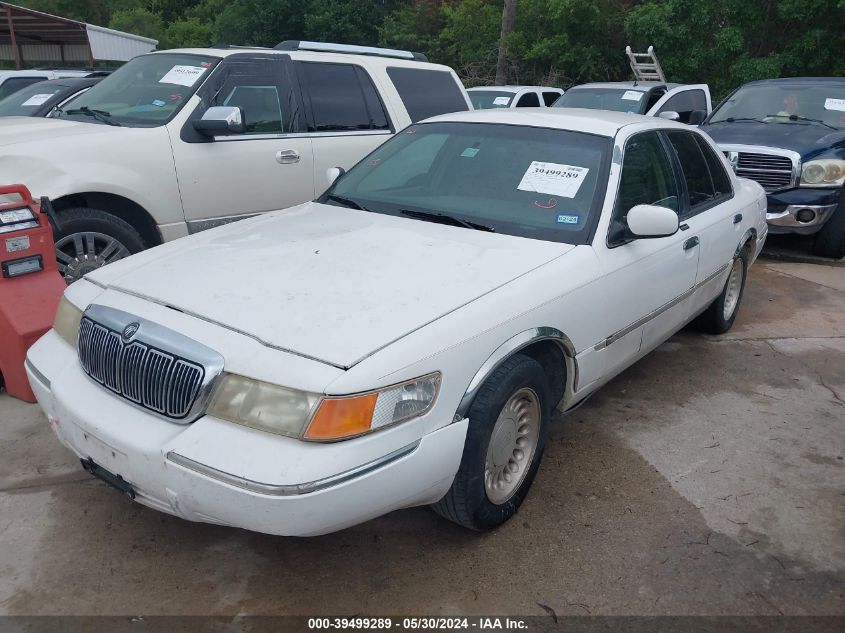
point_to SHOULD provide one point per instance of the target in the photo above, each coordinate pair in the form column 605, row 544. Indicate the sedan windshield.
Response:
column 540, row 183
column 25, row 102
column 617, row 99
column 803, row 103
column 486, row 99
column 147, row 91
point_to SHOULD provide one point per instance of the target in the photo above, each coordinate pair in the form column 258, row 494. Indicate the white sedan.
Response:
column 404, row 339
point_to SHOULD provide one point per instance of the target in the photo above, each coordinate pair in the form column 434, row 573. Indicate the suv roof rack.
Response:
column 352, row 49
column 645, row 65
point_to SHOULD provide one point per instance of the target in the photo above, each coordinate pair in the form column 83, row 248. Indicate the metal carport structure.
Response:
column 29, row 37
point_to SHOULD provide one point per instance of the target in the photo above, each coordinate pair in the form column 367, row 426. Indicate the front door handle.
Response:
column 287, row 156
column 737, row 218
column 691, row 243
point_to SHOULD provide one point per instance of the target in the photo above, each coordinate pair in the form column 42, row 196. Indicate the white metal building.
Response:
column 33, row 38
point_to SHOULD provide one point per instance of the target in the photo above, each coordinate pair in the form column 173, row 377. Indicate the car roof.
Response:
column 510, row 88
column 642, row 86
column 599, row 122
column 793, row 80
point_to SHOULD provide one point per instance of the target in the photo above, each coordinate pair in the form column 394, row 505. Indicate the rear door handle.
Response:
column 287, row 156
column 737, row 218
column 691, row 243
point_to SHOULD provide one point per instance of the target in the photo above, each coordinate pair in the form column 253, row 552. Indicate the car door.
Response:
column 648, row 280
column 709, row 214
column 684, row 100
column 345, row 116
column 268, row 166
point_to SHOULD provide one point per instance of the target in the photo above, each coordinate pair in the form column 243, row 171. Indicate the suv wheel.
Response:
column 87, row 239
column 504, row 445
column 830, row 240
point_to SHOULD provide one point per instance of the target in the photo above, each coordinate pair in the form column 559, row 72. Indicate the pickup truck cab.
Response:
column 13, row 80
column 178, row 141
column 685, row 103
column 789, row 136
column 484, row 97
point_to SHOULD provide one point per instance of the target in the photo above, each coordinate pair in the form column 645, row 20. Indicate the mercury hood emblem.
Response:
column 130, row 330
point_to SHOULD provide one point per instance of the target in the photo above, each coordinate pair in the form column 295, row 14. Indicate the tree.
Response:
column 508, row 19
column 138, row 21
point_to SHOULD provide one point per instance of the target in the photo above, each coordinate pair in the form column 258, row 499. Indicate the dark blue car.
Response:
column 789, row 136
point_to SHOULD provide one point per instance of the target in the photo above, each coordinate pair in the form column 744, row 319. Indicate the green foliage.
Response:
column 559, row 42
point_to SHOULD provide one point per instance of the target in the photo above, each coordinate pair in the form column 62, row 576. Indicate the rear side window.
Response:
column 528, row 100
column 550, row 97
column 684, row 103
column 427, row 93
column 342, row 98
column 696, row 172
column 721, row 180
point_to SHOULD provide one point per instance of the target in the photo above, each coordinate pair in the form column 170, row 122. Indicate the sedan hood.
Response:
column 808, row 139
column 20, row 129
column 325, row 282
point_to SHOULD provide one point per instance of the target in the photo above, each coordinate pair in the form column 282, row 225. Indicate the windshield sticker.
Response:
column 182, row 75
column 470, row 152
column 834, row 104
column 159, row 103
column 632, row 95
column 553, row 179
column 501, row 101
column 36, row 100
column 568, row 219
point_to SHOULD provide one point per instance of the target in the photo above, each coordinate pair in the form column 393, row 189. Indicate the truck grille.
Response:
column 772, row 171
column 151, row 378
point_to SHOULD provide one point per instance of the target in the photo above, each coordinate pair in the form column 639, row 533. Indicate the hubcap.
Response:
column 512, row 446
column 732, row 290
column 80, row 253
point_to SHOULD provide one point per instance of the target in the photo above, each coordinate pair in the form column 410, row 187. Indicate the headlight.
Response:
column 826, row 172
column 67, row 321
column 310, row 416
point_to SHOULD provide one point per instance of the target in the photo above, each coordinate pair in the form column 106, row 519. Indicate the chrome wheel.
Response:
column 732, row 290
column 512, row 446
column 80, row 253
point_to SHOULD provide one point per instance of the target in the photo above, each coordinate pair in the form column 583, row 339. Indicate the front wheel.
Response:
column 719, row 317
column 87, row 239
column 504, row 446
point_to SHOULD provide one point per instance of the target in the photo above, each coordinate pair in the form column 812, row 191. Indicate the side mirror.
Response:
column 697, row 117
column 333, row 173
column 220, row 120
column 670, row 115
column 648, row 220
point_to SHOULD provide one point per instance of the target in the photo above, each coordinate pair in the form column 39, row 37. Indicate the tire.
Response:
column 87, row 239
column 717, row 318
column 519, row 381
column 830, row 240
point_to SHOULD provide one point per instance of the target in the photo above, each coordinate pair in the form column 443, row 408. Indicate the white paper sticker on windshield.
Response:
column 182, row 75
column 553, row 179
column 632, row 95
column 36, row 100
column 501, row 101
column 834, row 104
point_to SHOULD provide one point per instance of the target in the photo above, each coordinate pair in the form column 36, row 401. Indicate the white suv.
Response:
column 179, row 141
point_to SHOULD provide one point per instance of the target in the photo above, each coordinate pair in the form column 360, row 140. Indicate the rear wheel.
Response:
column 719, row 317
column 87, row 239
column 830, row 240
column 504, row 446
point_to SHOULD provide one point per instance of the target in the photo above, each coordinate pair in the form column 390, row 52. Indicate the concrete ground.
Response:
column 707, row 479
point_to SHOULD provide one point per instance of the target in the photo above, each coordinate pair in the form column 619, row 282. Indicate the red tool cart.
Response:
column 30, row 283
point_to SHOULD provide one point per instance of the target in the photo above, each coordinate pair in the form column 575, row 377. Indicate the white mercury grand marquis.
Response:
column 403, row 339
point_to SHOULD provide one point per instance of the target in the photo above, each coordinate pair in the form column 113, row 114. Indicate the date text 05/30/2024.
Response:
column 420, row 623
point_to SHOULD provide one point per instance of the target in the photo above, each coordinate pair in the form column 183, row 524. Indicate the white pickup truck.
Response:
column 179, row 141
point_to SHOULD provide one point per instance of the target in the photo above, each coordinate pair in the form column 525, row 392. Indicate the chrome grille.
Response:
column 149, row 377
column 772, row 171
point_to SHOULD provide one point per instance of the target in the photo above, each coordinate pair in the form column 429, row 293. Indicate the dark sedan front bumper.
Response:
column 802, row 210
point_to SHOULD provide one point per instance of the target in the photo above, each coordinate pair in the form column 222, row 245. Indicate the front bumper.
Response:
column 801, row 210
column 206, row 471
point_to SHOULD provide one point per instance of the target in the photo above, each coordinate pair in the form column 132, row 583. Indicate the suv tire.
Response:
column 830, row 240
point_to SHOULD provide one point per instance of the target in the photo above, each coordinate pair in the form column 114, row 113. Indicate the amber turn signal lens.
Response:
column 339, row 418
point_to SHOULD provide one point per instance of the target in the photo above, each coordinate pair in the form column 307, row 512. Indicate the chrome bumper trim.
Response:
column 38, row 375
column 788, row 217
column 289, row 490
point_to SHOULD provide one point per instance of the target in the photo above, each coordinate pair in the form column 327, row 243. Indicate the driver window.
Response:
column 646, row 178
